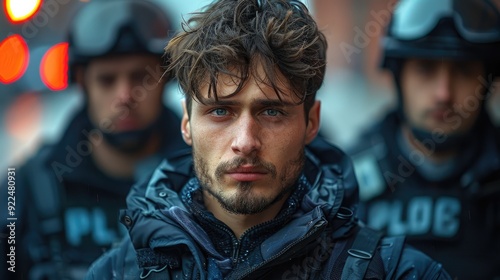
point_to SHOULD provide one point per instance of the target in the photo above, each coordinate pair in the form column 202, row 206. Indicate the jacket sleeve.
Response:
column 402, row 261
column 117, row 263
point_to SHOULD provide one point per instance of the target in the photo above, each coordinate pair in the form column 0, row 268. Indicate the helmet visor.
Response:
column 477, row 21
column 97, row 27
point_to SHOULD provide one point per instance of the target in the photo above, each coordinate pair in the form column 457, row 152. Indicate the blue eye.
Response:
column 219, row 112
column 272, row 112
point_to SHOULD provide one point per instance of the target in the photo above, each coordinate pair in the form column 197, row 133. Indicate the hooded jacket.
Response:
column 166, row 241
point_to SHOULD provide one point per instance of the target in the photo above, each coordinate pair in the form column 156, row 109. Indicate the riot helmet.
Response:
column 455, row 29
column 108, row 27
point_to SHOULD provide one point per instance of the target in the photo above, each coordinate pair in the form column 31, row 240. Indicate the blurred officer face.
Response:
column 122, row 94
column 442, row 96
column 248, row 148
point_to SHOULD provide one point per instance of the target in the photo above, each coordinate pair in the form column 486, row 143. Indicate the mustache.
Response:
column 238, row 162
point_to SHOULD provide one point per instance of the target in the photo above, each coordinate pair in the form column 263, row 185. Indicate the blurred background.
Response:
column 36, row 101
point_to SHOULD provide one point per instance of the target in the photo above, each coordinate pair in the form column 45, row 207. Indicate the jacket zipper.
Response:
column 236, row 251
column 315, row 229
column 235, row 241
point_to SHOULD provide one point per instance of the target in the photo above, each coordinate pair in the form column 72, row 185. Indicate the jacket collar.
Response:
column 161, row 220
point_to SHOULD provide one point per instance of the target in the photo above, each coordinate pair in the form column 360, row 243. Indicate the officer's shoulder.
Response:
column 366, row 158
column 36, row 160
column 369, row 138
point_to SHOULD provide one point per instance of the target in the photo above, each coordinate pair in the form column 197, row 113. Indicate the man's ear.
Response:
column 313, row 122
column 185, row 125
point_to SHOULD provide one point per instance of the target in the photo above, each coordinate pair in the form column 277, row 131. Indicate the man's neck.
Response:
column 239, row 223
column 117, row 164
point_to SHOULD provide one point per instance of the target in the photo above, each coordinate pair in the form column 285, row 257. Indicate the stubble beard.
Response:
column 244, row 202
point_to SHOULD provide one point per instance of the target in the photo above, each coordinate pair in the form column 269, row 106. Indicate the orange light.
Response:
column 54, row 67
column 21, row 10
column 14, row 58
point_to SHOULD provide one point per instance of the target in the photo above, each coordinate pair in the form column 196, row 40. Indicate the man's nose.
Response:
column 124, row 91
column 246, row 136
column 444, row 87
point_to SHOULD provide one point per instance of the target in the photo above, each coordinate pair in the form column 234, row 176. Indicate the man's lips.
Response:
column 440, row 115
column 247, row 173
column 127, row 124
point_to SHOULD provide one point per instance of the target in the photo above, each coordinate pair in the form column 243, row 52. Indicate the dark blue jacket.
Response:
column 165, row 242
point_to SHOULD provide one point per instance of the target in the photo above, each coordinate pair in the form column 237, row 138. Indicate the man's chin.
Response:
column 250, row 202
column 244, row 202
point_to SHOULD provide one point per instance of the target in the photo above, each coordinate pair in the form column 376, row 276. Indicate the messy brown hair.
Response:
column 231, row 36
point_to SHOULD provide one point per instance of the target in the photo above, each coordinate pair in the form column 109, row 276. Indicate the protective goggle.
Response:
column 97, row 27
column 477, row 21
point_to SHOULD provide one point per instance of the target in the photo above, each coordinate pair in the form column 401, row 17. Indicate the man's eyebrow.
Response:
column 213, row 102
column 274, row 103
column 262, row 102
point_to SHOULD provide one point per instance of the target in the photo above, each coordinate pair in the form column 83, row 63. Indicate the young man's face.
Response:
column 442, row 96
column 248, row 148
column 122, row 94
